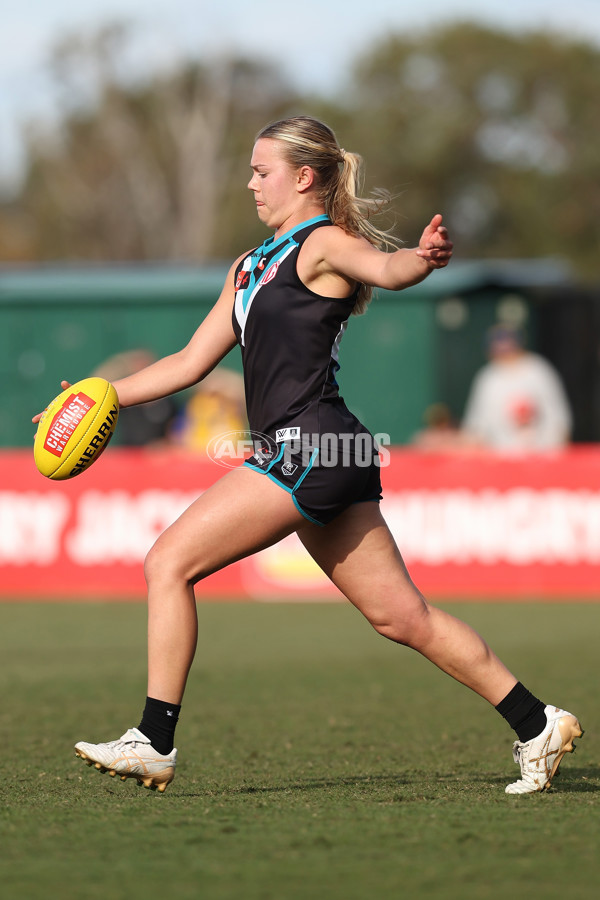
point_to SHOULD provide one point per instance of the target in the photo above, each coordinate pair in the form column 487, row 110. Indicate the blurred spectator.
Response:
column 441, row 433
column 216, row 406
column 148, row 424
column 517, row 401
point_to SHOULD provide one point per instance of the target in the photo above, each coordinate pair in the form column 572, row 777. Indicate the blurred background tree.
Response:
column 142, row 172
column 500, row 132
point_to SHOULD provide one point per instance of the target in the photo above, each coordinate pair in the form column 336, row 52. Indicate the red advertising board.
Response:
column 469, row 526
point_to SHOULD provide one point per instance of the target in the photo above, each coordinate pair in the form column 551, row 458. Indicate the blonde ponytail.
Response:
column 339, row 179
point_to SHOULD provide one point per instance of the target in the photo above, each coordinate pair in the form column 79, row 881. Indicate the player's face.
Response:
column 274, row 183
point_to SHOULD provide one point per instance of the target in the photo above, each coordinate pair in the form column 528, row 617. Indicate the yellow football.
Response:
column 75, row 428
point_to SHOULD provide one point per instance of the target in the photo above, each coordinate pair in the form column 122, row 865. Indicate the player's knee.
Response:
column 152, row 566
column 407, row 627
column 163, row 566
column 393, row 631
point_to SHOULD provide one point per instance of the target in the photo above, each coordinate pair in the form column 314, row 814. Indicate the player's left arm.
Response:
column 354, row 257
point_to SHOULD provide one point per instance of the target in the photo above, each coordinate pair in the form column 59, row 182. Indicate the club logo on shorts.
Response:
column 263, row 455
column 288, row 468
column 287, row 434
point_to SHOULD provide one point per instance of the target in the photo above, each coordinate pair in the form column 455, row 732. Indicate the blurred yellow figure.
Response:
column 217, row 406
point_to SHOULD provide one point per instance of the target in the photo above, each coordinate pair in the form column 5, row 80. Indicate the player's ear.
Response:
column 306, row 178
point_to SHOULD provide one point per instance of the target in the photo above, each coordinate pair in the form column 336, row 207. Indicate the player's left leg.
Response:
column 358, row 553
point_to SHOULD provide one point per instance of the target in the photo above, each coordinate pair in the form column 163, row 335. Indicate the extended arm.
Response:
column 212, row 340
column 354, row 258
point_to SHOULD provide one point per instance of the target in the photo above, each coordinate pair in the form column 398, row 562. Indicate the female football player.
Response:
column 316, row 468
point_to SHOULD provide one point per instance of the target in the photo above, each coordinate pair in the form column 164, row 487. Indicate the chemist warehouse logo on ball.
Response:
column 66, row 420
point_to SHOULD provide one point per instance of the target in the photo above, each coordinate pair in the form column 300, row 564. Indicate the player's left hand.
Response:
column 435, row 247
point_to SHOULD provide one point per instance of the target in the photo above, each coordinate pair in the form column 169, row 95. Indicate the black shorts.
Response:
column 321, row 486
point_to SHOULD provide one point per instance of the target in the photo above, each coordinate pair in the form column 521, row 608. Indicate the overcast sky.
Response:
column 315, row 39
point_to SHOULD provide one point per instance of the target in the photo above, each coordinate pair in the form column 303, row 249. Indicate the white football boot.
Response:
column 540, row 757
column 132, row 756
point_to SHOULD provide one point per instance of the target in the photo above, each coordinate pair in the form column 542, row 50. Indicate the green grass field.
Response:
column 317, row 760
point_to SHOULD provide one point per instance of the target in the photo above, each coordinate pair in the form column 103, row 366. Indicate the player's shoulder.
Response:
column 332, row 237
column 331, row 232
column 235, row 265
column 240, row 259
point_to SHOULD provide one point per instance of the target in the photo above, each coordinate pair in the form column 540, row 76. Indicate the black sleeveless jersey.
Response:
column 289, row 338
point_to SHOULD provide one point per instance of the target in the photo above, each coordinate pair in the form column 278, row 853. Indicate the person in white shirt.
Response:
column 517, row 402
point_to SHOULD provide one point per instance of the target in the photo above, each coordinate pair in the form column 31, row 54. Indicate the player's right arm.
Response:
column 212, row 340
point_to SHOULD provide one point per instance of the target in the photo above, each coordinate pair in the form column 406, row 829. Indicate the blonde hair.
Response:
column 339, row 178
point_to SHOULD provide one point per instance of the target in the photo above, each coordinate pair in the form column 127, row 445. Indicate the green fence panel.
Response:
column 411, row 349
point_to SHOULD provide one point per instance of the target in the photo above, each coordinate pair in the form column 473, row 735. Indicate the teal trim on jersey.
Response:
column 261, row 469
column 286, row 487
column 315, row 453
column 272, row 242
column 296, row 503
column 280, row 483
column 271, row 478
column 267, row 246
column 256, row 282
column 254, row 468
column 305, row 514
column 277, row 458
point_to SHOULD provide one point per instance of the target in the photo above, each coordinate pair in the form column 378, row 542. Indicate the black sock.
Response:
column 523, row 712
column 159, row 721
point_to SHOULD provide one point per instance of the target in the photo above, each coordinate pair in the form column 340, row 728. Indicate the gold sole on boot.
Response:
column 570, row 729
column 157, row 781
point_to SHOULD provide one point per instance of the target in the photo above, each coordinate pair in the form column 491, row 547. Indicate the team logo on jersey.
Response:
column 242, row 279
column 270, row 273
column 288, row 468
column 252, row 282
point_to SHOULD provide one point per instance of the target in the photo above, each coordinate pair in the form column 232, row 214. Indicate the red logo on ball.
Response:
column 66, row 420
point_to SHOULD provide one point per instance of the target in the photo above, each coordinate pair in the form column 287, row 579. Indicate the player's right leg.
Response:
column 242, row 513
column 239, row 515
